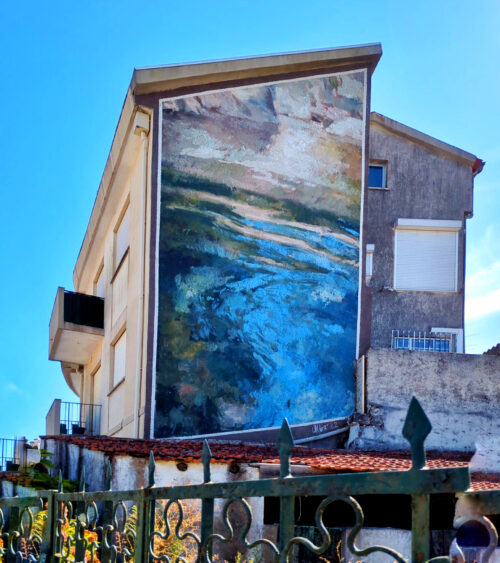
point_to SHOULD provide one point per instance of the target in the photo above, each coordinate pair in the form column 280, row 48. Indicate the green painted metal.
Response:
column 126, row 529
column 416, row 429
column 207, row 504
column 420, row 530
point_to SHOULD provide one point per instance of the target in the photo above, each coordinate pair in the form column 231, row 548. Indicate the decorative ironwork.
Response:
column 120, row 526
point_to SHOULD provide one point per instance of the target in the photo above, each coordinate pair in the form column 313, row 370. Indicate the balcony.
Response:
column 10, row 454
column 76, row 327
column 424, row 341
column 73, row 418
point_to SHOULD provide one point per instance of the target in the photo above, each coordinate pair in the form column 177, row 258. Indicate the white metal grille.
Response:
column 423, row 341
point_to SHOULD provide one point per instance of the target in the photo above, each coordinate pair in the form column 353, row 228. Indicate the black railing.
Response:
column 79, row 418
column 83, row 309
column 9, row 460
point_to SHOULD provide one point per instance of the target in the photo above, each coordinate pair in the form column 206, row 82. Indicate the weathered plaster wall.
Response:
column 460, row 394
column 400, row 540
column 422, row 185
column 132, row 473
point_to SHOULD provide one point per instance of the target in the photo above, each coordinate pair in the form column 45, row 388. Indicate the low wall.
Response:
column 460, row 394
column 132, row 473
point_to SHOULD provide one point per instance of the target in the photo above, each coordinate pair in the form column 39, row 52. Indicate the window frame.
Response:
column 377, row 163
column 99, row 274
column 118, row 261
column 113, row 383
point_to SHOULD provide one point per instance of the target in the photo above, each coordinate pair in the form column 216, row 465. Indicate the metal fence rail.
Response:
column 125, row 526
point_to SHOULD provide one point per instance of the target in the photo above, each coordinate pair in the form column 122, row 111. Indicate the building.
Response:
column 256, row 231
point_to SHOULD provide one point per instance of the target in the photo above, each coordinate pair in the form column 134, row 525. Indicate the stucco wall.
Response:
column 460, row 394
column 421, row 184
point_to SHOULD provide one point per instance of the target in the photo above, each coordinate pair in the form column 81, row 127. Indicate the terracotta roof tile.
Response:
column 320, row 459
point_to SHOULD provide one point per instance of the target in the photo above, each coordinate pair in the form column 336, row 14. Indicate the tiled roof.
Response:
column 319, row 459
column 226, row 452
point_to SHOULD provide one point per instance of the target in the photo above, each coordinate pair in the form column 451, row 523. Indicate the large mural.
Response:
column 258, row 255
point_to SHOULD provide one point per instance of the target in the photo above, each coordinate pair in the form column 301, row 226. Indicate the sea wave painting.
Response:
column 259, row 255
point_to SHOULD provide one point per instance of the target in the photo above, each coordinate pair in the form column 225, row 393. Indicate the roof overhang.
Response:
column 173, row 77
column 431, row 143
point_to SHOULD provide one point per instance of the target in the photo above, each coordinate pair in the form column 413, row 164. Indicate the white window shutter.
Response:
column 119, row 359
column 122, row 238
column 425, row 260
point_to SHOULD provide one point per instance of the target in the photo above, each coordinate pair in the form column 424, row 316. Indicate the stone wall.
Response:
column 459, row 392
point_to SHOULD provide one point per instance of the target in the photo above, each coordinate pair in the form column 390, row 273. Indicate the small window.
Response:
column 119, row 359
column 122, row 238
column 377, row 176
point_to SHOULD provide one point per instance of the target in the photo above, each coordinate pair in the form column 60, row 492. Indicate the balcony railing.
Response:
column 10, row 453
column 73, row 418
column 423, row 341
column 81, row 309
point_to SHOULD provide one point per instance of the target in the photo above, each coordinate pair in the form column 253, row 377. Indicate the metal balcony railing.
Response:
column 83, row 309
column 9, row 454
column 73, row 418
column 423, row 341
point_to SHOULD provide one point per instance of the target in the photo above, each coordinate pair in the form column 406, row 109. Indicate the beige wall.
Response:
column 125, row 289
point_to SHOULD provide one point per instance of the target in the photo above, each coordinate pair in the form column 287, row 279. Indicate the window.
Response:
column 425, row 255
column 377, row 176
column 119, row 359
column 422, row 341
column 122, row 238
column 99, row 283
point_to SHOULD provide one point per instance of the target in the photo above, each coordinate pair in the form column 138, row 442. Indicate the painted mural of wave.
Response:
column 258, row 266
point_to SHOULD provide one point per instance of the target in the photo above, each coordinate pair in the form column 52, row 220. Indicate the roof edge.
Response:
column 435, row 145
column 147, row 80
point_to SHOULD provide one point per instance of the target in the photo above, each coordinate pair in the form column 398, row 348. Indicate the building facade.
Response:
column 256, row 230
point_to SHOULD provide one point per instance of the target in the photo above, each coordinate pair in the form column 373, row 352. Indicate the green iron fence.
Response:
column 125, row 526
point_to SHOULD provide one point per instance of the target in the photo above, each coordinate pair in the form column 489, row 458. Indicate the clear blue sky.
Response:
column 65, row 69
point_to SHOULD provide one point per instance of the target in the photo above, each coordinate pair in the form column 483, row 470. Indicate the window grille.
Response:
column 423, row 341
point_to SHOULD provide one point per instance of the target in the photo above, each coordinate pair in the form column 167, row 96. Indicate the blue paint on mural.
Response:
column 258, row 268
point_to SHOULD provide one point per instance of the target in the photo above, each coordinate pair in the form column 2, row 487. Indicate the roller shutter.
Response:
column 425, row 260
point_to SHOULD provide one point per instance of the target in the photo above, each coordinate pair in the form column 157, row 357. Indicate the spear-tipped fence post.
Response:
column 146, row 515
column 287, row 502
column 107, row 508
column 80, row 516
column 207, row 504
column 416, row 428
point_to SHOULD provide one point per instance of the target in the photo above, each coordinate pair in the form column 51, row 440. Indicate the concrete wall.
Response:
column 421, row 184
column 460, row 394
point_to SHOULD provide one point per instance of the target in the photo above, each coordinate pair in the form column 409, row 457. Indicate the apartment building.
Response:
column 256, row 231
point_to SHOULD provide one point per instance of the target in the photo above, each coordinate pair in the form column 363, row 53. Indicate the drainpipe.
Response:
column 142, row 129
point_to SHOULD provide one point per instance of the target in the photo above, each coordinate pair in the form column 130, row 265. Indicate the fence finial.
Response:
column 285, row 446
column 151, row 469
column 416, row 429
column 109, row 476
column 81, row 484
column 206, row 456
column 60, row 482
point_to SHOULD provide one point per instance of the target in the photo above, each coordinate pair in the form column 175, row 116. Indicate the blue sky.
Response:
column 65, row 70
